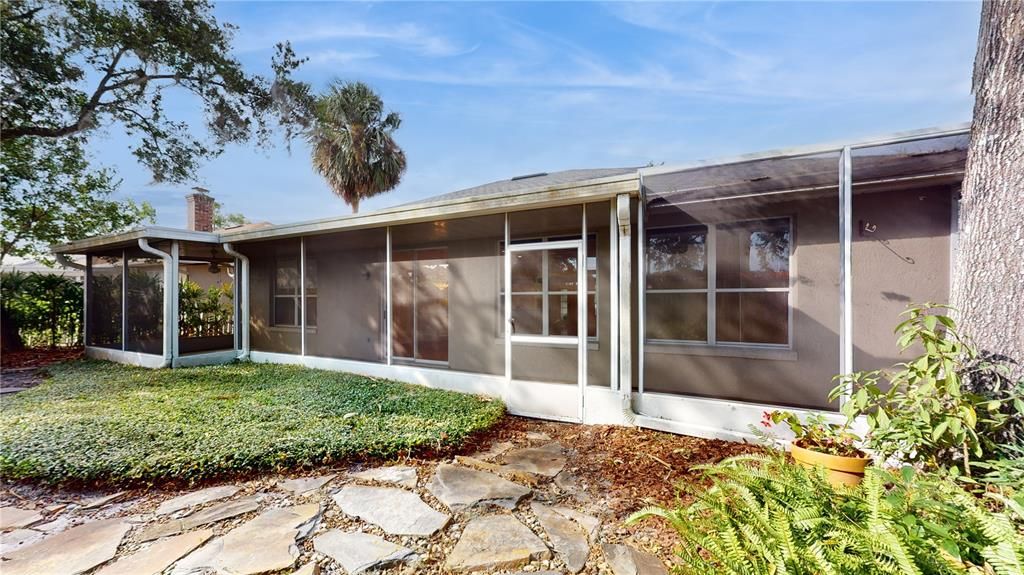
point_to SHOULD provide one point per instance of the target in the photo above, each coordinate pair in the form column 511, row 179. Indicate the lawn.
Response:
column 101, row 422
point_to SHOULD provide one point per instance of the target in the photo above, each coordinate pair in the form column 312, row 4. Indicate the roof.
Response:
column 522, row 192
column 520, row 183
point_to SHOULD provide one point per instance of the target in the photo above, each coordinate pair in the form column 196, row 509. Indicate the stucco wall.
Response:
column 904, row 260
column 350, row 290
column 801, row 376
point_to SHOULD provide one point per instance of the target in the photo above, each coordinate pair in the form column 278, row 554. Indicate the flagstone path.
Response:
column 513, row 508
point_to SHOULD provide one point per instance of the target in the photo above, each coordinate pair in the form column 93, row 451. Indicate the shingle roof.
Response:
column 529, row 181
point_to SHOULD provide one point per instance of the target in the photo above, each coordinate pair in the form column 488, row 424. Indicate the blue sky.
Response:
column 490, row 91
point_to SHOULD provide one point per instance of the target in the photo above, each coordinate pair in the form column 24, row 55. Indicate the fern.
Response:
column 761, row 515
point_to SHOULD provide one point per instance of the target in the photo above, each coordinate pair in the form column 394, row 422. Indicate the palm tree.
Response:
column 352, row 143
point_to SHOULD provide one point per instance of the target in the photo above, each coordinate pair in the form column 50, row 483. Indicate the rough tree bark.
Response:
column 988, row 285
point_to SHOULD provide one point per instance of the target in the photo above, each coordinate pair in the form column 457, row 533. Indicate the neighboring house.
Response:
column 29, row 266
column 756, row 281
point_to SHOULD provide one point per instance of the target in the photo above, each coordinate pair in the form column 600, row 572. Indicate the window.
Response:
column 287, row 296
column 419, row 304
column 544, row 290
column 735, row 274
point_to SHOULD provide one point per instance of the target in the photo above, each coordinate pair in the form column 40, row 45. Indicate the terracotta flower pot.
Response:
column 840, row 470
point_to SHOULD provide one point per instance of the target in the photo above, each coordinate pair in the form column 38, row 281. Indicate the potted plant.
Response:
column 818, row 442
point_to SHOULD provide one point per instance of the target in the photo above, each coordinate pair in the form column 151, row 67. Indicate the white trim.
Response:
column 641, row 262
column 508, row 328
column 582, row 304
column 545, row 339
column 302, row 295
column 521, row 392
column 544, row 245
column 712, row 290
column 85, row 300
column 173, row 287
column 613, row 295
column 465, row 382
column 149, row 360
column 124, row 300
column 845, row 262
column 242, row 288
column 892, row 138
column 387, row 291
column 208, row 358
column 624, row 352
column 710, row 418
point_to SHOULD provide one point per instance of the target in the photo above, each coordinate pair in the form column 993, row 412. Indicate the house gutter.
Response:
column 169, row 283
column 66, row 262
column 242, row 323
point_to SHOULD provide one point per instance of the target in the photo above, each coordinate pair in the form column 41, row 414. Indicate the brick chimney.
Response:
column 200, row 210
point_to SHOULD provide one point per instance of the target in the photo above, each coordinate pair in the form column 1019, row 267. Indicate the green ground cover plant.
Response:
column 946, row 494
column 99, row 422
column 761, row 515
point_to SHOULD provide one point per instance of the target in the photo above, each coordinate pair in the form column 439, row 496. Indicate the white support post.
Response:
column 235, row 299
column 845, row 263
column 641, row 274
column 302, row 296
column 582, row 295
column 387, row 295
column 623, row 235
column 124, row 300
column 613, row 293
column 507, row 264
column 85, row 299
column 173, row 286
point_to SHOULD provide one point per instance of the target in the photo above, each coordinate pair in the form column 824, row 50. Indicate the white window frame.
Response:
column 545, row 293
column 415, row 316
column 296, row 297
column 711, row 255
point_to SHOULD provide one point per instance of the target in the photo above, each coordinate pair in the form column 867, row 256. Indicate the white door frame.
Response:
column 580, row 340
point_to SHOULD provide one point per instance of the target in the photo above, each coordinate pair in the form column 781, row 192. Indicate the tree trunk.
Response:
column 988, row 285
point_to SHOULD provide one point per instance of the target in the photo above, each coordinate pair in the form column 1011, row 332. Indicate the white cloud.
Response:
column 408, row 36
column 331, row 56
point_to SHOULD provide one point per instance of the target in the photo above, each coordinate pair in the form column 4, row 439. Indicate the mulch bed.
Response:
column 628, row 467
column 38, row 357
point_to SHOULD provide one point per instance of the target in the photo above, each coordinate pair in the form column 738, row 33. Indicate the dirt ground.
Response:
column 24, row 368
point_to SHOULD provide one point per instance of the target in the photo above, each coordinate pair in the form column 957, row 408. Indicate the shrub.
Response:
column 921, row 412
column 45, row 309
column 761, row 515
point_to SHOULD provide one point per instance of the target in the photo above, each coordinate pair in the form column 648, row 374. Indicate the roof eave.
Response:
column 132, row 236
column 540, row 196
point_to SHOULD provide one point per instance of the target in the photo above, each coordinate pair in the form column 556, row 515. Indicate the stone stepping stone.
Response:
column 568, row 538
column 398, row 474
column 14, row 518
column 197, row 498
column 101, row 501
column 495, row 542
column 218, row 512
column 461, row 488
column 626, row 560
column 360, row 552
column 265, row 543
column 396, row 511
column 545, row 461
column 13, row 540
column 494, row 451
column 591, row 525
column 304, row 485
column 537, row 436
column 311, row 568
column 159, row 556
column 74, row 551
